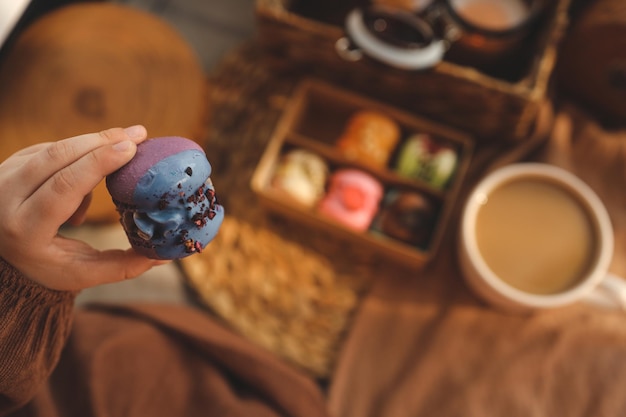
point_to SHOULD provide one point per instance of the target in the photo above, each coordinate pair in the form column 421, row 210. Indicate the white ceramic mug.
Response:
column 596, row 285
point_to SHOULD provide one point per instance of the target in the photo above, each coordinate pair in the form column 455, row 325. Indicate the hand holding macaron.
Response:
column 49, row 184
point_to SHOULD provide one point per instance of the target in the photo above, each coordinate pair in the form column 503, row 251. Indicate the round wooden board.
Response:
column 91, row 66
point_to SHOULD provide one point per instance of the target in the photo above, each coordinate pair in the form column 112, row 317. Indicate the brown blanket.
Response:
column 427, row 346
column 148, row 360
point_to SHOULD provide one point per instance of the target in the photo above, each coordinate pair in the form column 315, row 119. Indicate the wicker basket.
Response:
column 490, row 107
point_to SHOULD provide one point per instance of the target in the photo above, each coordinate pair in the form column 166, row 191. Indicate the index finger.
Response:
column 45, row 161
column 58, row 198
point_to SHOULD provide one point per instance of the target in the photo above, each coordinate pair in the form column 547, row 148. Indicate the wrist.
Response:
column 15, row 284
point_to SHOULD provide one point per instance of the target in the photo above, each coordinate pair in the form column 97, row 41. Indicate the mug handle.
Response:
column 610, row 293
column 360, row 40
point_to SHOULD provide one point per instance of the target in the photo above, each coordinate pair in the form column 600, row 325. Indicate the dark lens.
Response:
column 398, row 28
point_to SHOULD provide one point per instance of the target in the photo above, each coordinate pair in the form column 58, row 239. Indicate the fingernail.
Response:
column 122, row 146
column 136, row 131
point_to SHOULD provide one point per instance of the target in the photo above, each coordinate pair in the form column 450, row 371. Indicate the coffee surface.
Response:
column 492, row 14
column 536, row 236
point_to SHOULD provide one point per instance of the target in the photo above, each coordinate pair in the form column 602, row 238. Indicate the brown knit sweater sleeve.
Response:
column 34, row 325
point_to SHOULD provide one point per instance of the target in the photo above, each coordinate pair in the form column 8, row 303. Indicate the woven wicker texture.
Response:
column 490, row 106
column 289, row 288
column 283, row 285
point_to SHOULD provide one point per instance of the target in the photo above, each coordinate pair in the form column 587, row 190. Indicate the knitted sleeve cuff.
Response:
column 34, row 325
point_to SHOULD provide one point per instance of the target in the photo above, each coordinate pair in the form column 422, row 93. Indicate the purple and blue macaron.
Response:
column 166, row 199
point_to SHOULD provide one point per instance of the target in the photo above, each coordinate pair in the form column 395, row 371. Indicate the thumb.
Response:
column 85, row 267
column 109, row 266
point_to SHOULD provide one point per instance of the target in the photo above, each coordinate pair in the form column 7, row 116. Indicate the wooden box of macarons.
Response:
column 364, row 170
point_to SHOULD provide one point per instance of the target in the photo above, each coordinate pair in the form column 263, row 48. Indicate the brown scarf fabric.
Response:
column 156, row 360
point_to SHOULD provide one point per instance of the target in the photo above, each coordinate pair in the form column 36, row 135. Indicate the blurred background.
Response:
column 176, row 66
column 212, row 27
